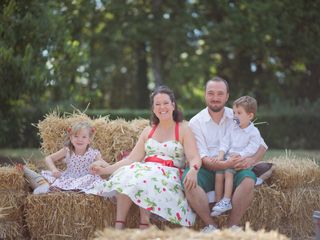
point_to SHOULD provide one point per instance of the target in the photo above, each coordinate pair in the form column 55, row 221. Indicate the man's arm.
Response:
column 200, row 139
column 252, row 160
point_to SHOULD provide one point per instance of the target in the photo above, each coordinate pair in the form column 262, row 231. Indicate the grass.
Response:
column 35, row 155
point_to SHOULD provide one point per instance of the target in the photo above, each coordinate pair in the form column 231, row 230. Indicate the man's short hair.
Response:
column 218, row 79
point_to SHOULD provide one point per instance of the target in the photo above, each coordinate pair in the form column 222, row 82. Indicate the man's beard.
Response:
column 216, row 108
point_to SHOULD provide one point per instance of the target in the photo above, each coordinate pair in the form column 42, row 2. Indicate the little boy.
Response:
column 243, row 140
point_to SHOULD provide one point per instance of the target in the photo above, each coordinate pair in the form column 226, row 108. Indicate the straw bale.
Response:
column 299, row 205
column 121, row 138
column 185, row 234
column 67, row 215
column 266, row 210
column 12, row 203
column 292, row 172
column 11, row 179
column 52, row 132
column 14, row 230
column 138, row 125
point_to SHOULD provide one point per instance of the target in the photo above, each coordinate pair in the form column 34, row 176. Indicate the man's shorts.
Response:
column 206, row 178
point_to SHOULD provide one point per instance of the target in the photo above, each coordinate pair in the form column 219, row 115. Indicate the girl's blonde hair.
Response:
column 75, row 129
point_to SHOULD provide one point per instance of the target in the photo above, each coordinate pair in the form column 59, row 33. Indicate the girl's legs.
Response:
column 123, row 205
column 144, row 218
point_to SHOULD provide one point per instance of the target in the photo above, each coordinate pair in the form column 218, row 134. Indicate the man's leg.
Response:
column 197, row 197
column 198, row 201
column 241, row 200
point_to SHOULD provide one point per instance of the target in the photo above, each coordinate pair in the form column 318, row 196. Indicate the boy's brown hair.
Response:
column 248, row 103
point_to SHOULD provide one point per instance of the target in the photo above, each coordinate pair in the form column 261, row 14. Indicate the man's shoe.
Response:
column 235, row 228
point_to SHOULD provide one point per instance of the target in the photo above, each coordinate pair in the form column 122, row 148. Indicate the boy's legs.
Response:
column 218, row 186
column 228, row 184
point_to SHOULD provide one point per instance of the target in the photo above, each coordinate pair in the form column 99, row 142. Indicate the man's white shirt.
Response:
column 208, row 133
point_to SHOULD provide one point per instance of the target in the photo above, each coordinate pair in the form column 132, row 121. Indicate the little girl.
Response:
column 78, row 156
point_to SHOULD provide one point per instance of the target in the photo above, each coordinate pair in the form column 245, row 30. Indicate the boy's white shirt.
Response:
column 242, row 141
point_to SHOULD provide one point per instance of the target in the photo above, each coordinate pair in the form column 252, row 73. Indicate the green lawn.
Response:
column 36, row 155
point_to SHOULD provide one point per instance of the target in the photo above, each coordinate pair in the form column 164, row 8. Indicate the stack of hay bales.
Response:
column 285, row 203
column 12, row 197
column 186, row 234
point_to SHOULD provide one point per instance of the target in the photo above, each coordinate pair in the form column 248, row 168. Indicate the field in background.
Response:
column 34, row 155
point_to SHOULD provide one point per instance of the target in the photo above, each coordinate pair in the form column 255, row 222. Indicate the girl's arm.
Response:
column 53, row 158
column 136, row 155
column 192, row 155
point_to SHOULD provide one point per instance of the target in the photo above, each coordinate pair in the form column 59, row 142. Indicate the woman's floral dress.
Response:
column 154, row 186
column 77, row 175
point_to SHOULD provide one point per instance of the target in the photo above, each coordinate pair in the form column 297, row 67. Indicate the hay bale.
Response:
column 266, row 210
column 12, row 198
column 298, row 206
column 14, row 230
column 292, row 172
column 11, row 179
column 122, row 137
column 185, row 234
column 67, row 215
column 138, row 125
column 12, row 205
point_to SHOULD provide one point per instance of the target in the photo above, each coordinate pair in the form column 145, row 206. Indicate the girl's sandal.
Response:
column 123, row 223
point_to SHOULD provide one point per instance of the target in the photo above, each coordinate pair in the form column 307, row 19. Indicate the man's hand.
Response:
column 190, row 181
column 244, row 163
column 209, row 162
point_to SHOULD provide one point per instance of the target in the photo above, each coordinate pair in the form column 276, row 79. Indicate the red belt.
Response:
column 167, row 163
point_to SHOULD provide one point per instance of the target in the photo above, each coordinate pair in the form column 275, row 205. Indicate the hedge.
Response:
column 283, row 130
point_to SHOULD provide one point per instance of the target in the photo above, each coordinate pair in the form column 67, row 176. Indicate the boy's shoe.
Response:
column 209, row 228
column 222, row 206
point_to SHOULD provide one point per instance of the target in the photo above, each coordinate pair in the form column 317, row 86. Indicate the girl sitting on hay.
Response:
column 78, row 156
column 150, row 176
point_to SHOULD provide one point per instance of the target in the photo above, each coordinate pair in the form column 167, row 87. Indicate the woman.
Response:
column 150, row 176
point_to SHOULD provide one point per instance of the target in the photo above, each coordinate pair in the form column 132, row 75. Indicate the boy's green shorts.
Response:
column 206, row 178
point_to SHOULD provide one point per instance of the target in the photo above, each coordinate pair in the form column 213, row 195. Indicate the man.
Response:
column 209, row 126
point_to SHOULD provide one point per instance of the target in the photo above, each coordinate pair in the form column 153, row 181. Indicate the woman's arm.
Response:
column 136, row 155
column 192, row 155
column 252, row 160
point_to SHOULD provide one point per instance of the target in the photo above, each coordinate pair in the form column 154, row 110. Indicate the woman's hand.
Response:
column 100, row 168
column 56, row 173
column 190, row 181
column 97, row 170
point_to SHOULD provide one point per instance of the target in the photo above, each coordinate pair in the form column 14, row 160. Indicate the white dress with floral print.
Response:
column 153, row 186
column 77, row 175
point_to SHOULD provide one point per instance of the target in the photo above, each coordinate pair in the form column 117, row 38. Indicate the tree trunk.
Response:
column 156, row 44
column 142, row 79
